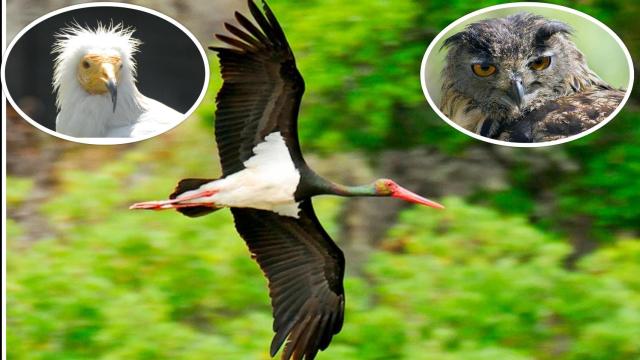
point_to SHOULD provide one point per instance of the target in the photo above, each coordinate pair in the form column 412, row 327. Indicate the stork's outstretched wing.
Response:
column 305, row 269
column 261, row 92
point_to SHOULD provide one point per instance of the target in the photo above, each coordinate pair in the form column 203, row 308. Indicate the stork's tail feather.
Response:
column 196, row 211
column 187, row 185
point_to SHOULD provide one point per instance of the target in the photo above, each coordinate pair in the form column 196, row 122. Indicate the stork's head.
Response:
column 387, row 187
column 93, row 62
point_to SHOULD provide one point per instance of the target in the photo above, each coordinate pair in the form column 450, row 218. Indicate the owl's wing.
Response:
column 563, row 117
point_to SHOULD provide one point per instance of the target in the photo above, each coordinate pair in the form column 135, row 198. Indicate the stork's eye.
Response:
column 390, row 185
column 483, row 70
column 540, row 63
column 85, row 64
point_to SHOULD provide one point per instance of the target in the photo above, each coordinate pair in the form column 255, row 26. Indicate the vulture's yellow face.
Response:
column 97, row 73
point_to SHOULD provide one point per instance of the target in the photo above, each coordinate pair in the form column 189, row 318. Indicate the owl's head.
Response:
column 507, row 66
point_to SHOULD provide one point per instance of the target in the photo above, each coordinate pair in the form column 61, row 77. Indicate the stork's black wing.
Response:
column 305, row 269
column 261, row 92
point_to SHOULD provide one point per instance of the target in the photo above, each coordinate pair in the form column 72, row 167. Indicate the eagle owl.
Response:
column 520, row 78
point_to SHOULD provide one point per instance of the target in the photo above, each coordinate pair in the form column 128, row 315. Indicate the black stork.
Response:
column 268, row 186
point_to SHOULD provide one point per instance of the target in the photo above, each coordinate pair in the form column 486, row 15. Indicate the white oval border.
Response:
column 105, row 141
column 446, row 30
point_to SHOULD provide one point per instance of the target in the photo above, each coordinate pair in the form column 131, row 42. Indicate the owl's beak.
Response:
column 517, row 92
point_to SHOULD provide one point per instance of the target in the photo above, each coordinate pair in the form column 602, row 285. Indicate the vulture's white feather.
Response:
column 81, row 114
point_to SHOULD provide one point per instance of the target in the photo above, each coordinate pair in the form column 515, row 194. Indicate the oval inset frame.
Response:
column 104, row 141
column 447, row 30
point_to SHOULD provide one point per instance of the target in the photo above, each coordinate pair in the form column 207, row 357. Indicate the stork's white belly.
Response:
column 268, row 181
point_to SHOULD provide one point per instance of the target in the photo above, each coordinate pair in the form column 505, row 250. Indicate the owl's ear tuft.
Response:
column 550, row 28
column 453, row 40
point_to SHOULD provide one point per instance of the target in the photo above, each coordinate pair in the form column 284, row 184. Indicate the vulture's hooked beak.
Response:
column 109, row 76
column 113, row 90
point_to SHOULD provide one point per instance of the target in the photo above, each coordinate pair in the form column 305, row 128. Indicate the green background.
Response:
column 535, row 257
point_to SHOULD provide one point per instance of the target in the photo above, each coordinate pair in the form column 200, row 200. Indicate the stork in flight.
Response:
column 268, row 186
column 94, row 81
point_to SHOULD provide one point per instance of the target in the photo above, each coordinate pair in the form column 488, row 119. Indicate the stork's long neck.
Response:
column 346, row 190
column 312, row 184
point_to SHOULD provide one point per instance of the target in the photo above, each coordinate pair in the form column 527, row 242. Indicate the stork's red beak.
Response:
column 406, row 195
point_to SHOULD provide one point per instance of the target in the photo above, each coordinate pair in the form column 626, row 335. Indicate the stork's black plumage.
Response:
column 305, row 270
column 304, row 266
column 262, row 90
column 268, row 186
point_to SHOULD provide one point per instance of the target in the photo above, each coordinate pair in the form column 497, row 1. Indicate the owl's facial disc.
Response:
column 508, row 66
column 526, row 81
column 507, row 87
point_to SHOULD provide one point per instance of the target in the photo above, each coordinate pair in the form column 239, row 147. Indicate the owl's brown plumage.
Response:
column 521, row 79
column 563, row 117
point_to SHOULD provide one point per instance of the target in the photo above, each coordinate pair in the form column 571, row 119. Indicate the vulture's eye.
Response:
column 540, row 63
column 85, row 64
column 120, row 66
column 483, row 70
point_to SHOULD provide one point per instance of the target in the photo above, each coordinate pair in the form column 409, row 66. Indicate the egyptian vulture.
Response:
column 94, row 79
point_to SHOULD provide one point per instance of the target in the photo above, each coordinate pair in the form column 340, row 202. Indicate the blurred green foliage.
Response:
column 361, row 62
column 465, row 283
column 468, row 283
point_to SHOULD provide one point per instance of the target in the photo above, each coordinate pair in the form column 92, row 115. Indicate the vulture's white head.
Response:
column 94, row 62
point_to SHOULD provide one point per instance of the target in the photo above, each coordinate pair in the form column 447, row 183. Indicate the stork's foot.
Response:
column 179, row 203
column 165, row 205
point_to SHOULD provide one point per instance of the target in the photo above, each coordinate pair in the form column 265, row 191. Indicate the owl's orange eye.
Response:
column 483, row 70
column 540, row 63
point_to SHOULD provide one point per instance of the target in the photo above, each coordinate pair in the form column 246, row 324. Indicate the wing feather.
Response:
column 305, row 270
column 248, row 38
column 261, row 92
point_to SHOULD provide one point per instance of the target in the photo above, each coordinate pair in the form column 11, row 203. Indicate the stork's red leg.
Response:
column 177, row 203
